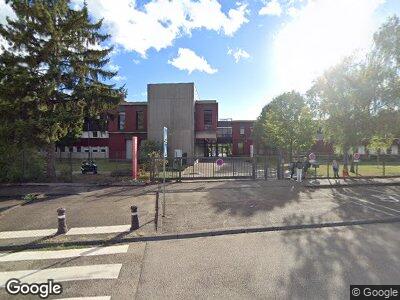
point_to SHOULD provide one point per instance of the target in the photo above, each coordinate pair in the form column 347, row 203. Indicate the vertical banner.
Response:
column 134, row 157
column 165, row 141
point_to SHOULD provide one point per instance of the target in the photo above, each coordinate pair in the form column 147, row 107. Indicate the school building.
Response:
column 194, row 129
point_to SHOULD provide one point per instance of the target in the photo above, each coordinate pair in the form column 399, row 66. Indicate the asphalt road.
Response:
column 298, row 264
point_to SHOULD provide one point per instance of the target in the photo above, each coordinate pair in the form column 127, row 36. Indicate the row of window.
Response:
column 94, row 134
column 139, row 120
column 82, row 149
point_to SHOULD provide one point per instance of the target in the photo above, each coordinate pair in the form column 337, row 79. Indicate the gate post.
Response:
column 134, row 158
column 254, row 166
column 180, row 169
column 265, row 168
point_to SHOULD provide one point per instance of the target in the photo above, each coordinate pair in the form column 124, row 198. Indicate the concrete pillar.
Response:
column 62, row 221
column 134, row 157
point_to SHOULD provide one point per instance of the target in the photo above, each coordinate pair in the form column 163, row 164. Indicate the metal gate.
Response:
column 214, row 168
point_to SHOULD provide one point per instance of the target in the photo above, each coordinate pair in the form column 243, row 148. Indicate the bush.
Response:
column 20, row 164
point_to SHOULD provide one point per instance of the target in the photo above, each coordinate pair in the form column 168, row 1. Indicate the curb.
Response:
column 190, row 235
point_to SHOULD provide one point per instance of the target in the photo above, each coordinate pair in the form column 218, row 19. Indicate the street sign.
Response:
column 356, row 157
column 312, row 157
column 165, row 141
column 219, row 162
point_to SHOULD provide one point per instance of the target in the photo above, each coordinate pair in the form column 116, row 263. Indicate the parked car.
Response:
column 88, row 166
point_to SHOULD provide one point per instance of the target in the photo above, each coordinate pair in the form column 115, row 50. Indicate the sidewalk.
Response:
column 328, row 183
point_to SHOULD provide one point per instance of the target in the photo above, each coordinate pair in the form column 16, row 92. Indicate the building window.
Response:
column 241, row 129
column 78, row 149
column 94, row 134
column 207, row 119
column 224, row 131
column 121, row 121
column 86, row 150
column 103, row 149
column 71, row 149
column 240, row 148
column 62, row 149
column 94, row 150
column 139, row 120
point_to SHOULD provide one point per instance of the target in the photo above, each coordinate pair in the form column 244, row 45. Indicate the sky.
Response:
column 240, row 53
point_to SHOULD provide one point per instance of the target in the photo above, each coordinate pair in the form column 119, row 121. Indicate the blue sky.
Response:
column 239, row 53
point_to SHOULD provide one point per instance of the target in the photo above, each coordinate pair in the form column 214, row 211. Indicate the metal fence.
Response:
column 214, row 167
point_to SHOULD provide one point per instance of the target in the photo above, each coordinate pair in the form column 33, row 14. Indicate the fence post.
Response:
column 180, row 169
column 265, row 168
column 384, row 167
column 254, row 168
column 233, row 167
column 156, row 213
column 327, row 169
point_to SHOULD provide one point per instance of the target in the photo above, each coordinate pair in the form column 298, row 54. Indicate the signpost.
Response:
column 165, row 156
column 356, row 157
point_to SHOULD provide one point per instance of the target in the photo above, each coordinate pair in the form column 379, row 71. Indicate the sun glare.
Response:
column 318, row 36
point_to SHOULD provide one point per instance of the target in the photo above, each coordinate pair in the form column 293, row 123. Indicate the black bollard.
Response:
column 135, row 218
column 62, row 221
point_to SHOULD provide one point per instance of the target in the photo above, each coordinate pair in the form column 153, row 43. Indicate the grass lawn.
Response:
column 364, row 169
column 103, row 165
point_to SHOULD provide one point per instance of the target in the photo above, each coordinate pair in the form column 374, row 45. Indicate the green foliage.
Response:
column 19, row 163
column 286, row 123
column 52, row 73
column 30, row 197
column 149, row 149
column 380, row 143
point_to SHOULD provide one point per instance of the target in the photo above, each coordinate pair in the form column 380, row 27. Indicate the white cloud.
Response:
column 159, row 22
column 318, row 36
column 272, row 8
column 5, row 11
column 136, row 61
column 190, row 61
column 238, row 54
column 119, row 78
column 113, row 67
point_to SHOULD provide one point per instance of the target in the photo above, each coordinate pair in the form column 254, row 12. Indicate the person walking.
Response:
column 299, row 170
column 335, row 167
column 306, row 166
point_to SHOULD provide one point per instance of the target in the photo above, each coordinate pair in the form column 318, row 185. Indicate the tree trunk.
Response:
column 345, row 157
column 50, row 161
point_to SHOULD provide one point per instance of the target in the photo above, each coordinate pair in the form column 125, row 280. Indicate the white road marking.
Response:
column 372, row 203
column 72, row 231
column 57, row 254
column 27, row 233
column 106, row 271
column 369, row 207
column 98, row 229
column 87, row 298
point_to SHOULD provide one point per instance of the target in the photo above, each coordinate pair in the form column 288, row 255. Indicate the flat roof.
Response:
column 243, row 121
column 206, row 101
column 134, row 103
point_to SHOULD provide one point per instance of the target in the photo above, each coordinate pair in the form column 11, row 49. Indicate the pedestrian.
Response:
column 292, row 168
column 335, row 167
column 306, row 166
column 299, row 170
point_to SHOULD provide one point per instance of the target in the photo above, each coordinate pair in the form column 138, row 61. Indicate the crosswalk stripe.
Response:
column 87, row 298
column 72, row 231
column 27, row 233
column 57, row 254
column 104, row 271
column 98, row 229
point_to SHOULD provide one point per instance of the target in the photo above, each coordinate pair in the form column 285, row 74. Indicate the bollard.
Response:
column 135, row 218
column 62, row 221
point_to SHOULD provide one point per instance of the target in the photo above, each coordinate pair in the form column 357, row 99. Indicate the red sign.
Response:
column 219, row 162
column 356, row 156
column 134, row 157
column 312, row 156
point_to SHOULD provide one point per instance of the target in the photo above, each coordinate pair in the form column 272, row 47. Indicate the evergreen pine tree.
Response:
column 52, row 74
